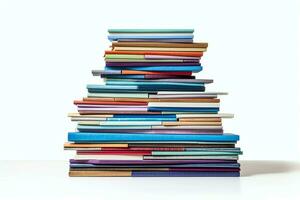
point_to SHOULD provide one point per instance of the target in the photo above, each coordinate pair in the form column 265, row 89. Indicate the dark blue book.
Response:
column 183, row 174
column 142, row 88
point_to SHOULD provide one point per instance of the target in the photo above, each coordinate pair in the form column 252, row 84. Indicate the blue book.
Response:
column 159, row 68
column 93, row 137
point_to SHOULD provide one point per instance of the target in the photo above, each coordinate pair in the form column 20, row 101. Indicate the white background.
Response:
column 48, row 48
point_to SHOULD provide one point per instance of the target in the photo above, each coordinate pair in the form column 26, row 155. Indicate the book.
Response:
column 149, row 63
column 150, row 157
column 180, row 163
column 150, row 30
column 90, row 136
column 152, row 83
column 159, row 44
column 207, row 100
column 159, row 49
column 152, row 174
column 160, row 36
column 130, row 72
column 123, row 95
column 152, row 116
column 141, row 88
column 169, row 53
column 196, row 68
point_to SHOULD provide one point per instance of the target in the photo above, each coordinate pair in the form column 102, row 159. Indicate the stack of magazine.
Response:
column 152, row 116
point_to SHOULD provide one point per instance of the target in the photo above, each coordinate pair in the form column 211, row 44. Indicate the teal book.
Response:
column 98, row 137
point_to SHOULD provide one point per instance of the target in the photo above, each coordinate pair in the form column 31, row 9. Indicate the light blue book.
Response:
column 95, row 137
column 141, row 119
column 152, row 30
column 117, row 37
column 89, row 127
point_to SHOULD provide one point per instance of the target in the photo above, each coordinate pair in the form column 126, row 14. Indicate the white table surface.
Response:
column 49, row 180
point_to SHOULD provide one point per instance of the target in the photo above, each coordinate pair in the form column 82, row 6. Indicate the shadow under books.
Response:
column 257, row 167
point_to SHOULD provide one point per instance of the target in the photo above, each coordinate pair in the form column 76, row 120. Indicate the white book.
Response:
column 88, row 116
column 167, row 96
column 187, row 127
column 222, row 115
column 189, row 157
column 124, row 123
column 107, row 157
column 182, row 105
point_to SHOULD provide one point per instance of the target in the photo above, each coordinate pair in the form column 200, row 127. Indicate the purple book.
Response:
column 158, row 131
column 150, row 162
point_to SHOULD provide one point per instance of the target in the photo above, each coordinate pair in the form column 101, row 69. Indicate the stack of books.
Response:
column 152, row 117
